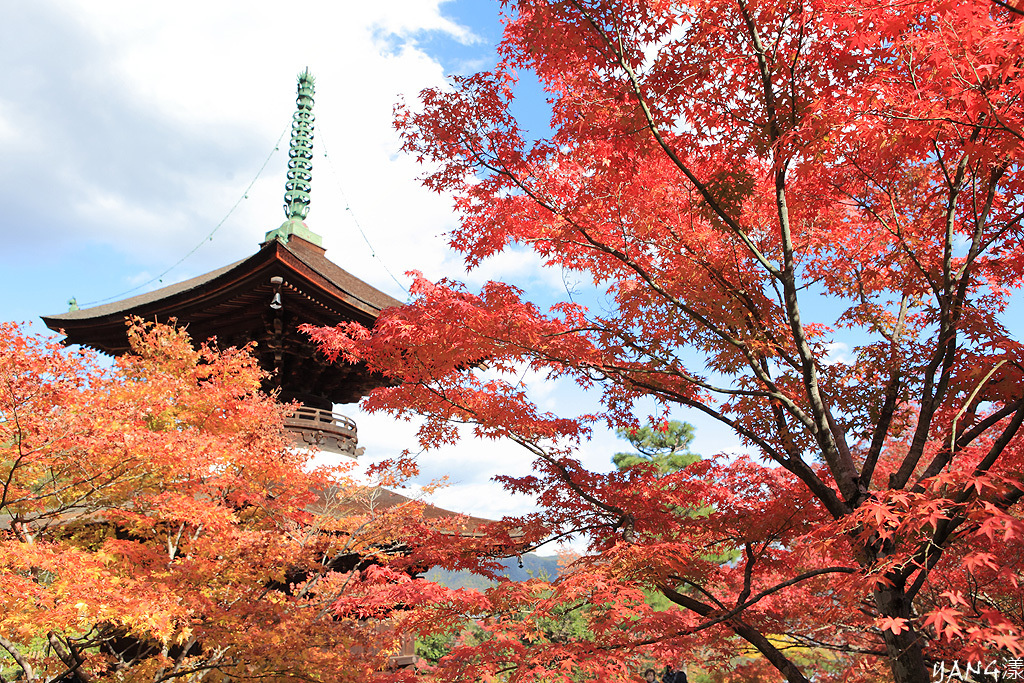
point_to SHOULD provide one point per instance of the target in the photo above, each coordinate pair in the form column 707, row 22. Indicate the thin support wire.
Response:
column 348, row 207
column 209, row 237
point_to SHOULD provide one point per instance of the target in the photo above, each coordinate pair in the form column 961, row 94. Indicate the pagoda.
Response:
column 264, row 299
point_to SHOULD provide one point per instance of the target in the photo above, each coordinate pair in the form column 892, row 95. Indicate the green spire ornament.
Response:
column 300, row 167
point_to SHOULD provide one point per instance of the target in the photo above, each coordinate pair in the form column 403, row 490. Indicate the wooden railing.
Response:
column 406, row 654
column 324, row 429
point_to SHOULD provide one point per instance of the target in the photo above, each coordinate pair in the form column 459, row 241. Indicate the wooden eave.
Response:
column 233, row 304
column 227, row 299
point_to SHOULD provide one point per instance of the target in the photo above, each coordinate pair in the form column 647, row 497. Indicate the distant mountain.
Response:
column 532, row 567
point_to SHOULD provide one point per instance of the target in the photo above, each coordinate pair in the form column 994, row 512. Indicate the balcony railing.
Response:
column 323, row 429
column 406, row 654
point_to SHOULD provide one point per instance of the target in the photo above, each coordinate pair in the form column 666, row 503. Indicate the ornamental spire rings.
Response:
column 300, row 152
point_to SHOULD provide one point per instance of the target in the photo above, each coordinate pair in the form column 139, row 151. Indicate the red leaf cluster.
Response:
column 746, row 185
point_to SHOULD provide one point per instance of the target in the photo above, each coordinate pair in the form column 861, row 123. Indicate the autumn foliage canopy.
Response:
column 157, row 525
column 743, row 185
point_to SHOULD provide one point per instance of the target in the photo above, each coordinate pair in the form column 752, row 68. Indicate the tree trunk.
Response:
column 906, row 649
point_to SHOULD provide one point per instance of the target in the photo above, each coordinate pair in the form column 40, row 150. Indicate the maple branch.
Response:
column 824, row 423
column 998, row 446
column 19, row 658
column 69, row 656
column 762, row 66
column 998, row 126
column 749, row 602
column 210, row 665
column 949, row 316
column 180, row 659
column 618, row 254
column 891, row 397
column 969, row 403
column 930, row 551
column 785, row 666
column 792, row 73
column 674, row 369
column 172, row 546
column 113, row 476
column 19, row 439
column 739, row 293
column 555, row 538
column 881, row 430
column 625, row 519
column 955, row 188
column 896, row 232
column 831, row 440
column 802, row 640
column 760, row 370
column 790, row 461
column 784, row 431
column 705, row 193
column 699, row 588
column 328, row 566
column 981, row 220
column 977, row 240
column 748, row 573
column 764, row 328
column 943, row 457
column 758, row 366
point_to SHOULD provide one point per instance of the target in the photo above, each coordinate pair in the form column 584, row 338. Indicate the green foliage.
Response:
column 568, row 626
column 565, row 624
column 657, row 600
column 666, row 446
column 433, row 646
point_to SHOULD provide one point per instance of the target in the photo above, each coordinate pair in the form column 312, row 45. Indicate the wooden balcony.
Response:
column 405, row 657
column 323, row 429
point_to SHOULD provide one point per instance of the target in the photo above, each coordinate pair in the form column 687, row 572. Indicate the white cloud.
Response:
column 471, row 464
column 837, row 352
column 517, row 264
column 136, row 118
column 482, row 499
column 129, row 131
column 8, row 130
column 467, row 466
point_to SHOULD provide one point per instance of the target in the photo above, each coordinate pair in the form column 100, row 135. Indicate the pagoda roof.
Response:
column 380, row 498
column 238, row 304
column 347, row 293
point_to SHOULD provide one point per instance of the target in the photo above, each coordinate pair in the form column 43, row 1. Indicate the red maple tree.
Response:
column 746, row 183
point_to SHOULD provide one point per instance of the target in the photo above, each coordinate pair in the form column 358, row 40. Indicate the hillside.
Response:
column 532, row 566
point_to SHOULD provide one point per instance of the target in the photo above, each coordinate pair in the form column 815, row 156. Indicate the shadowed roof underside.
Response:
column 263, row 298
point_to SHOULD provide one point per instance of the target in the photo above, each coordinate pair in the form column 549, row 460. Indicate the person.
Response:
column 650, row 676
column 673, row 675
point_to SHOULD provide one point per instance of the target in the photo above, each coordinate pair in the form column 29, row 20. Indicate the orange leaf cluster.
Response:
column 156, row 524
